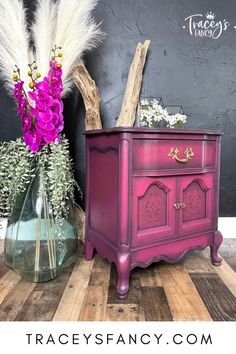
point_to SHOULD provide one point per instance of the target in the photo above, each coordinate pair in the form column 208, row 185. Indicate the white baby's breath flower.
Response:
column 151, row 113
column 143, row 124
column 144, row 102
column 175, row 119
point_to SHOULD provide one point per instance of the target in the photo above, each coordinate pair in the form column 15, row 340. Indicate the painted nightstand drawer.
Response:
column 151, row 154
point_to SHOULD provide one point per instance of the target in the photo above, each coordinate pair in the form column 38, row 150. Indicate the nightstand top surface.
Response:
column 138, row 130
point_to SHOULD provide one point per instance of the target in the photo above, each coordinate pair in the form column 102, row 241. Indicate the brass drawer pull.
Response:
column 174, row 152
column 177, row 206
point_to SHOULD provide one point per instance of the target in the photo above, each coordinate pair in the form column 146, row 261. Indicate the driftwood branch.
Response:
column 133, row 87
column 90, row 94
column 91, row 98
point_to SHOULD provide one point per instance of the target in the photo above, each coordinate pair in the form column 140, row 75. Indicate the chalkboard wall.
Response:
column 189, row 64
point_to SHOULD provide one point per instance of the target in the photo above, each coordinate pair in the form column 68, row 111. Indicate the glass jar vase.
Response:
column 39, row 246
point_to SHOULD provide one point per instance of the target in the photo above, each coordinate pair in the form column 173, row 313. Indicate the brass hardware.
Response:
column 177, row 206
column 174, row 152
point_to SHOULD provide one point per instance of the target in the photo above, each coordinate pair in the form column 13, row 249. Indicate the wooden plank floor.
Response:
column 191, row 290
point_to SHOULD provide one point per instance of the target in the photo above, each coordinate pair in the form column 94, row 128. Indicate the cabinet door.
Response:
column 153, row 216
column 196, row 194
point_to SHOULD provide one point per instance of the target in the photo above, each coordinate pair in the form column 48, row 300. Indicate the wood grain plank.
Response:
column 149, row 276
column 72, row 299
column 214, row 286
column 155, row 304
column 80, row 249
column 43, row 301
column 100, row 274
column 94, row 305
column 124, row 312
column 1, row 246
column 11, row 306
column 37, row 294
column 134, row 294
column 7, row 283
column 231, row 262
column 225, row 272
column 219, row 301
column 228, row 276
column 195, row 262
column 3, row 268
column 184, row 301
column 228, row 252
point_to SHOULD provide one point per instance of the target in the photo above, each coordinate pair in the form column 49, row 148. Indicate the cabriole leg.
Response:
column 123, row 272
column 215, row 257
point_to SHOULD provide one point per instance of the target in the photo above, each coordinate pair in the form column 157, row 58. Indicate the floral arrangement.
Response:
column 37, row 62
column 41, row 108
column 152, row 114
column 36, row 65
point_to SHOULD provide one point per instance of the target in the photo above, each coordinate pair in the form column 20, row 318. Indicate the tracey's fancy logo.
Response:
column 206, row 25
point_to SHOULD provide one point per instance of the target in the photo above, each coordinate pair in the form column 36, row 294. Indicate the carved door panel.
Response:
column 153, row 214
column 195, row 195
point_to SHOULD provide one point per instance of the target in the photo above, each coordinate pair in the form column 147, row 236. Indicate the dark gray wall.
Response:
column 198, row 73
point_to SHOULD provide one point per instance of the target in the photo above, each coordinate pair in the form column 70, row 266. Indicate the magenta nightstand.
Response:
column 151, row 194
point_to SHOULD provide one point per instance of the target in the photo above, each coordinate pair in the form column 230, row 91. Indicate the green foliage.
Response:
column 18, row 166
column 16, row 171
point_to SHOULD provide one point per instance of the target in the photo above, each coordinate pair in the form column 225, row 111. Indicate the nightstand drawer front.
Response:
column 153, row 217
column 151, row 154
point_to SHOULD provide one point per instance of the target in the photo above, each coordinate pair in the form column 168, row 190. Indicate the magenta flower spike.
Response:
column 41, row 109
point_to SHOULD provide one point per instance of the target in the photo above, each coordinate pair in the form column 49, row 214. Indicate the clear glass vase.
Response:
column 38, row 246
